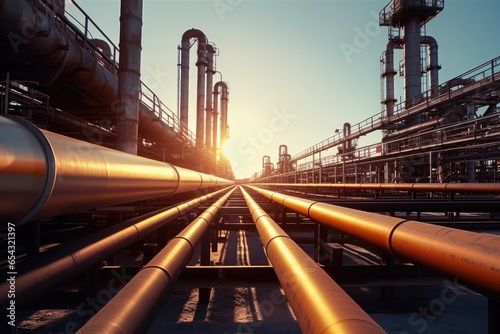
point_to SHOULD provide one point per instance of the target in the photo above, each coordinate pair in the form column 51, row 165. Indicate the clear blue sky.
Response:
column 299, row 69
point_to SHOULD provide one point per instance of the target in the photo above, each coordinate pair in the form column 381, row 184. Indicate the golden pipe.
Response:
column 470, row 256
column 320, row 305
column 491, row 188
column 134, row 308
column 43, row 174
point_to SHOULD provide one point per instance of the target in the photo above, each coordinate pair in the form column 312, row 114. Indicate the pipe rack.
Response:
column 44, row 174
column 134, row 308
column 48, row 270
column 320, row 305
column 472, row 257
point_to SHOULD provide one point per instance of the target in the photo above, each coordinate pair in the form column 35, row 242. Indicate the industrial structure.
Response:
column 93, row 166
column 446, row 132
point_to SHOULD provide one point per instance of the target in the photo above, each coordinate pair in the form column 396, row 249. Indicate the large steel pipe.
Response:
column 35, row 38
column 201, row 63
column 320, row 305
column 129, row 76
column 134, row 308
column 44, row 174
column 489, row 188
column 46, row 271
column 472, row 257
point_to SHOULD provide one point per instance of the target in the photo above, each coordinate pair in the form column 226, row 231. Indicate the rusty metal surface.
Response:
column 320, row 305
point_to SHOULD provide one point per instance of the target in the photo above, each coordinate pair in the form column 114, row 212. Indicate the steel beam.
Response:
column 472, row 257
column 319, row 304
column 134, row 308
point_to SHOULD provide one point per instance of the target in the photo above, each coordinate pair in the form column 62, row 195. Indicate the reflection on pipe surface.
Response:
column 490, row 188
column 134, row 308
column 320, row 305
column 44, row 174
column 470, row 256
column 46, row 271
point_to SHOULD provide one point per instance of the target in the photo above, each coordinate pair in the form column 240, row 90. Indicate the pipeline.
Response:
column 320, row 305
column 134, row 308
column 408, row 130
column 433, row 66
column 223, row 86
column 209, row 95
column 452, row 187
column 129, row 76
column 472, row 257
column 46, row 271
column 40, row 172
column 63, row 58
column 201, row 64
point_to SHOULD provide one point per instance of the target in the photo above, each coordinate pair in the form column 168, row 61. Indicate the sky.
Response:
column 297, row 69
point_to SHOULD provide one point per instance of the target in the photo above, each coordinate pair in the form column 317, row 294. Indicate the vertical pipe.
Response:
column 201, row 64
column 434, row 64
column 129, row 76
column 208, row 104
column 389, row 74
column 412, row 60
column 215, row 119
column 223, row 118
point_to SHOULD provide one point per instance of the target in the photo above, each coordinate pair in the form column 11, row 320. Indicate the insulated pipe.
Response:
column 320, row 305
column 412, row 59
column 129, row 76
column 470, row 256
column 201, row 64
column 434, row 64
column 40, row 171
column 74, row 64
column 135, row 307
column 46, row 271
column 35, row 38
column 209, row 110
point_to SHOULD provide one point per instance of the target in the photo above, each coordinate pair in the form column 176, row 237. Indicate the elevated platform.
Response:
column 398, row 12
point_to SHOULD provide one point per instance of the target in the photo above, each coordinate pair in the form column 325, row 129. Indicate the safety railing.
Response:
column 470, row 81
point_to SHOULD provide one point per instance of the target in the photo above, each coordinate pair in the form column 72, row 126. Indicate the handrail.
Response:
column 320, row 304
column 488, row 188
column 475, row 77
column 470, row 256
